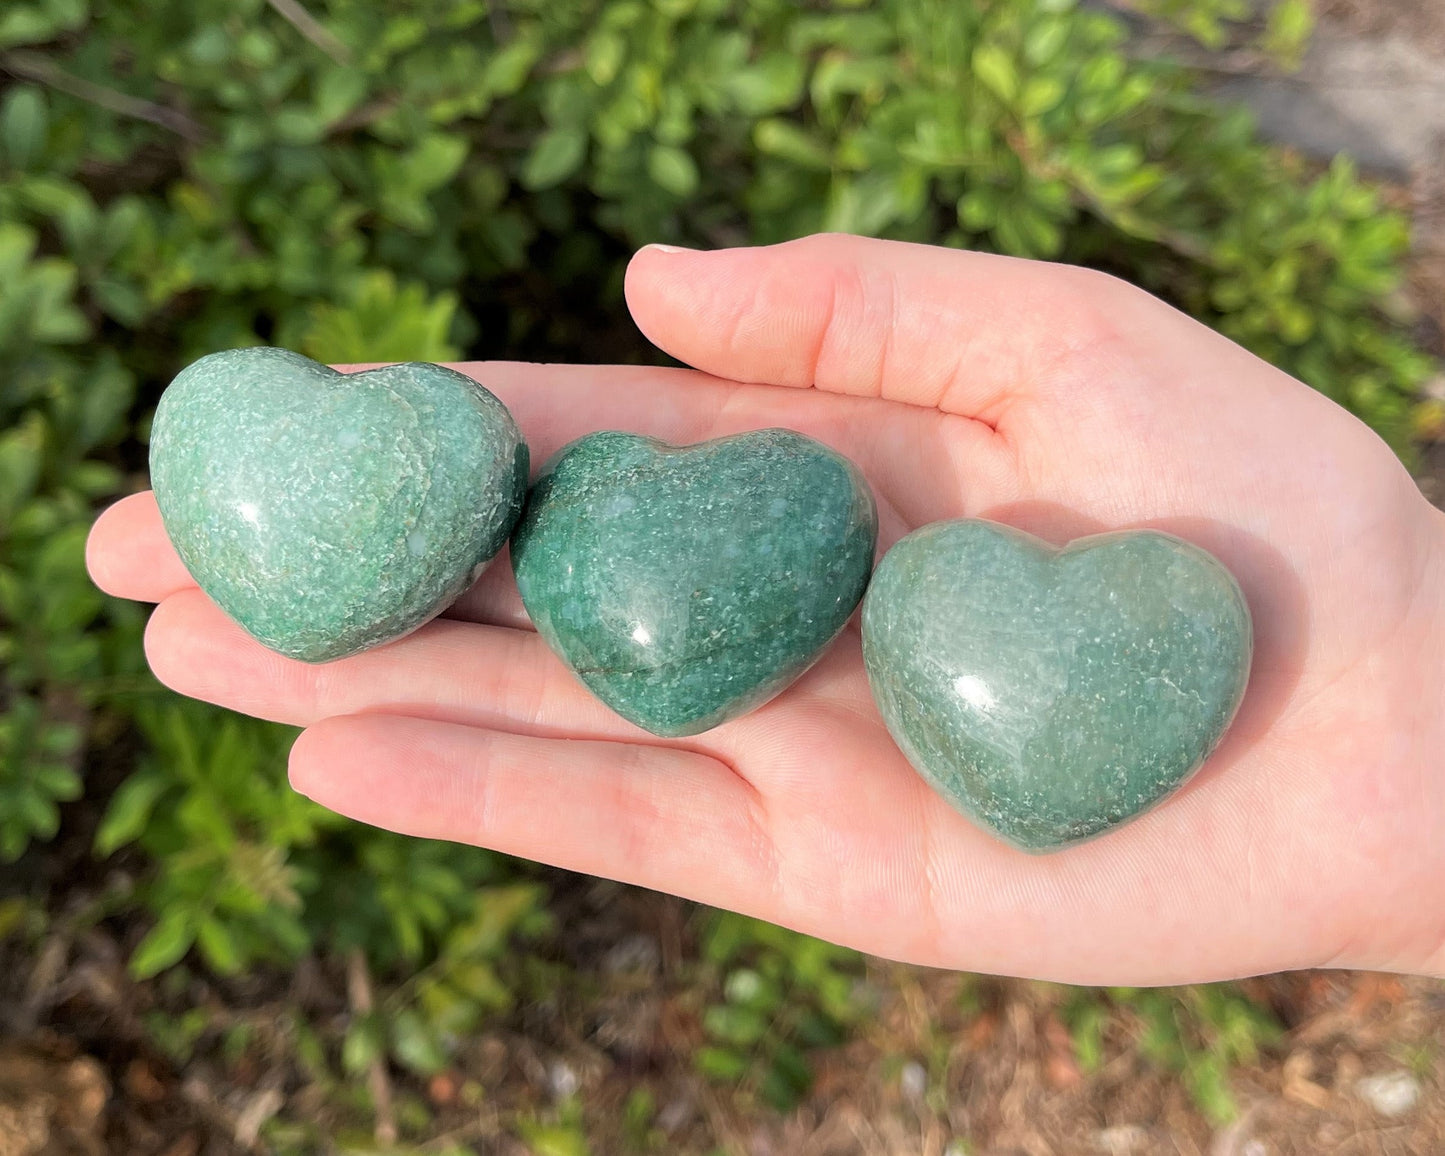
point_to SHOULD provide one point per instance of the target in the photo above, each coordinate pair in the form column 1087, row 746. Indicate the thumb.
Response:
column 966, row 333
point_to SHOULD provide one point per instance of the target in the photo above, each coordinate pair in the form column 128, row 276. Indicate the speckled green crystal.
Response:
column 685, row 586
column 326, row 512
column 1050, row 694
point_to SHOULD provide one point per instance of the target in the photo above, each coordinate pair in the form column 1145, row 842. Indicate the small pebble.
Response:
column 674, row 1116
column 913, row 1081
column 1391, row 1094
column 563, row 1080
column 637, row 954
column 1121, row 1139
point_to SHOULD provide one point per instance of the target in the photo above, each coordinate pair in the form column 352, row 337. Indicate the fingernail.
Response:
column 659, row 248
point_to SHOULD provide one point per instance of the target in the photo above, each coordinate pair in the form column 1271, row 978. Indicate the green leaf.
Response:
column 20, row 457
column 1207, row 1079
column 554, row 1140
column 299, row 126
column 129, row 811
column 1103, row 73
column 39, row 813
column 604, row 56
column 416, row 1045
column 734, row 1024
column 479, row 983
column 1288, row 30
column 207, row 820
column 435, row 160
column 362, row 1044
column 508, row 70
column 499, row 912
column 24, row 124
column 1296, row 324
column 338, row 92
column 1041, row 94
column 978, row 209
column 1045, row 40
column 382, row 321
column 558, row 154
column 783, row 139
column 720, row 1064
column 14, row 912
column 58, row 780
column 36, row 23
column 165, row 945
column 449, row 1011
column 996, row 70
column 787, row 1080
column 218, row 946
column 772, row 84
column 673, row 169
column 637, row 1113
column 1087, row 1020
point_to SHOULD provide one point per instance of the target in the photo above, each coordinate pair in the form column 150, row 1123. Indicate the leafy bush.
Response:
column 384, row 180
column 248, row 872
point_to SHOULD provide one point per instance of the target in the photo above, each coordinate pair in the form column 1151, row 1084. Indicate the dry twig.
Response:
column 33, row 66
column 295, row 15
column 358, row 990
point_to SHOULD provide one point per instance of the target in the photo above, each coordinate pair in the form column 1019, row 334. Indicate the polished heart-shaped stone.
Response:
column 1051, row 694
column 327, row 512
column 687, row 585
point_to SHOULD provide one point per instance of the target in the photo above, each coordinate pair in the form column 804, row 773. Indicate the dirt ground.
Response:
column 949, row 1065
column 1422, row 21
column 1013, row 1086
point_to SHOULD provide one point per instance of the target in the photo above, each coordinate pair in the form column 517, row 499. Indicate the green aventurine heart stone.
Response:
column 688, row 585
column 328, row 512
column 1053, row 694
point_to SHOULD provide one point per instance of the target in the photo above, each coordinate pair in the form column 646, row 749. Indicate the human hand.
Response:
column 965, row 385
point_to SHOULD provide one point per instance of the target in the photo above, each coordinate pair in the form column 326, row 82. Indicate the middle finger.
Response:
column 448, row 671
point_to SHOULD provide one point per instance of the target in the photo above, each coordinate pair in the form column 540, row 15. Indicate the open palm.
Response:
column 1052, row 398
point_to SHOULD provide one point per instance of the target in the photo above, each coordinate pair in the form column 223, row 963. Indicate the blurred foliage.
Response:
column 1285, row 33
column 1201, row 1033
column 782, row 993
column 428, row 178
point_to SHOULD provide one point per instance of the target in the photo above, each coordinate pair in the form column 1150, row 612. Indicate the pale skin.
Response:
column 965, row 385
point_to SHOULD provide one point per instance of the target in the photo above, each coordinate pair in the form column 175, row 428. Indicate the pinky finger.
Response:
column 663, row 818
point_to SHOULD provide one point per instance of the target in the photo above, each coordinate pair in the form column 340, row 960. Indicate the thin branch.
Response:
column 358, row 989
column 33, row 66
column 44, row 978
column 365, row 115
column 295, row 15
column 565, row 61
column 197, row 1092
column 500, row 22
